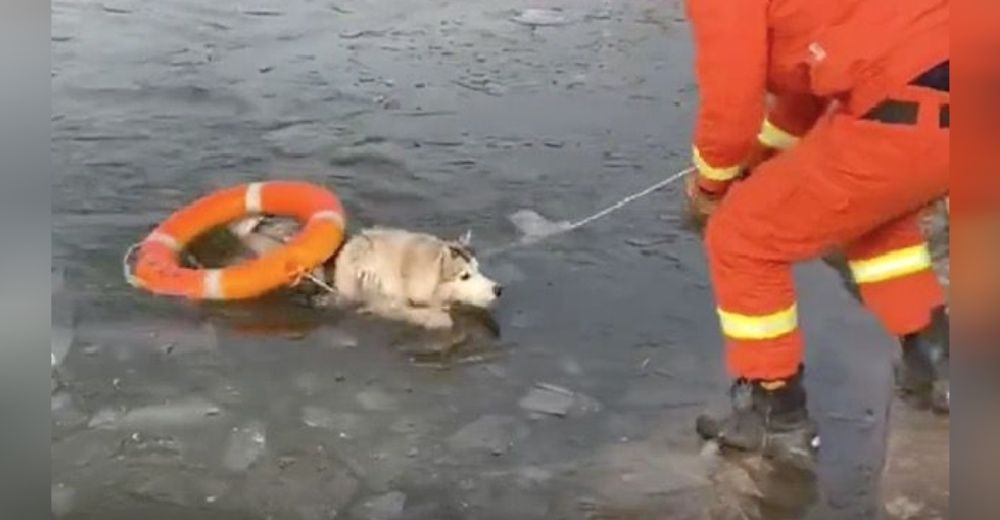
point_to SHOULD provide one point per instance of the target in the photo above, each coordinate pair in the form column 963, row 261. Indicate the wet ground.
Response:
column 435, row 116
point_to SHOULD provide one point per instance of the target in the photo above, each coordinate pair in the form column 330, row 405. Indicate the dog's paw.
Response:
column 437, row 320
column 321, row 300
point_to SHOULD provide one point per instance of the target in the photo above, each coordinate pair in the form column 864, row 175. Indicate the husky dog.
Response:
column 393, row 273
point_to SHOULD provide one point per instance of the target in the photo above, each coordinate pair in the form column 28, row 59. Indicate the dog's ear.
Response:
column 464, row 243
column 457, row 252
column 453, row 261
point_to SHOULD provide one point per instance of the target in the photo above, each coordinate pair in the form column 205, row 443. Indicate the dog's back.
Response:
column 398, row 274
column 388, row 263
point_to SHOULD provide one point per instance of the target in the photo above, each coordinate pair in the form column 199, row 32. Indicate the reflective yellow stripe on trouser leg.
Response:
column 893, row 264
column 759, row 327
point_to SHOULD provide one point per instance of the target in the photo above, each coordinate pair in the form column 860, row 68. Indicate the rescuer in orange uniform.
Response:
column 852, row 145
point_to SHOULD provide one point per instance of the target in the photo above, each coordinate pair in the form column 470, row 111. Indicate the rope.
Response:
column 127, row 269
column 307, row 274
column 524, row 241
column 621, row 203
column 318, row 281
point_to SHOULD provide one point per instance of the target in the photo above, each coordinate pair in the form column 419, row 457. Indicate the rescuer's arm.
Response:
column 731, row 53
column 789, row 117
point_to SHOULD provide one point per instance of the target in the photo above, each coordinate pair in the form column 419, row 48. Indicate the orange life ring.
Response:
column 158, row 268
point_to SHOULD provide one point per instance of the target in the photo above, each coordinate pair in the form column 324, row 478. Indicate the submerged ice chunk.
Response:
column 548, row 401
column 540, row 17
column 183, row 412
column 63, row 500
column 492, row 433
column 533, row 226
column 385, row 507
column 245, row 446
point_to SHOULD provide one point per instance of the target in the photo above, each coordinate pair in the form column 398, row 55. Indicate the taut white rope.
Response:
column 621, row 203
column 594, row 217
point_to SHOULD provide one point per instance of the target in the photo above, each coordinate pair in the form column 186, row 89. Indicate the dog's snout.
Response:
column 497, row 290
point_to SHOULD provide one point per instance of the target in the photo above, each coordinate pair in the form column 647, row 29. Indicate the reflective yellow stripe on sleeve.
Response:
column 711, row 172
column 774, row 137
column 767, row 326
column 893, row 264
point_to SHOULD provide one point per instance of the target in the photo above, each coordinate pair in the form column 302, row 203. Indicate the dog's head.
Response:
column 461, row 280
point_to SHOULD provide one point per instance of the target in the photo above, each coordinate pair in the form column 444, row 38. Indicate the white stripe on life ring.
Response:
column 212, row 284
column 164, row 239
column 329, row 215
column 252, row 200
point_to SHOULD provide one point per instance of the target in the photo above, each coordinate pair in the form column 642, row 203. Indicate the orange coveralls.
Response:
column 842, row 180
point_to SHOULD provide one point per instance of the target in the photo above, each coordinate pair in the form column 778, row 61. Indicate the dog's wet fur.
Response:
column 395, row 274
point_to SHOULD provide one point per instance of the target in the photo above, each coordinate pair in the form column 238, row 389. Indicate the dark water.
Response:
column 437, row 116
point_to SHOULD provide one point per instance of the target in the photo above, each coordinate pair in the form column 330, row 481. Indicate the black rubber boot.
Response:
column 770, row 418
column 922, row 376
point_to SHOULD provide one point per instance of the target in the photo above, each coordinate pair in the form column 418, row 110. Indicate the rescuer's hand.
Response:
column 759, row 154
column 701, row 203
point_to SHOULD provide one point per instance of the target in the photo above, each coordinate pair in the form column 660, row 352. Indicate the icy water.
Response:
column 436, row 116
